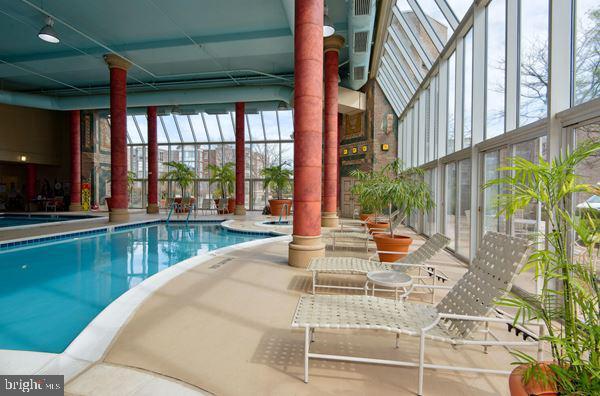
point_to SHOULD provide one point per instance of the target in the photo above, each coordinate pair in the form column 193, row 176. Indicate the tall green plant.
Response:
column 224, row 177
column 181, row 174
column 278, row 178
column 569, row 301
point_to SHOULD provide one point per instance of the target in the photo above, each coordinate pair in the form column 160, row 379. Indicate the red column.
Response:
column 308, row 123
column 118, row 137
column 240, row 168
column 152, row 162
column 330, row 182
column 75, row 204
column 31, row 171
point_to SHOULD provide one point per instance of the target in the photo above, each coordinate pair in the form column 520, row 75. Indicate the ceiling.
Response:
column 172, row 43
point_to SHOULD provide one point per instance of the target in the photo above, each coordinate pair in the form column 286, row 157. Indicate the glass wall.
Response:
column 496, row 67
column 199, row 140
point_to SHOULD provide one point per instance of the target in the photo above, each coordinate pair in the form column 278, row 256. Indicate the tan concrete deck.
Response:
column 224, row 327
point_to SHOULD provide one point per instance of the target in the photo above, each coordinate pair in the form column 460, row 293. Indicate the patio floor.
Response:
column 224, row 327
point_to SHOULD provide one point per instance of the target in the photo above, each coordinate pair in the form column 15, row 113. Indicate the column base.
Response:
column 329, row 219
column 75, row 208
column 240, row 210
column 118, row 215
column 303, row 248
column 152, row 208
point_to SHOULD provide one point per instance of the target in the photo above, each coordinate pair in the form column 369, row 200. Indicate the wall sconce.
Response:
column 354, row 150
column 364, row 149
column 385, row 147
column 23, row 158
column 345, row 151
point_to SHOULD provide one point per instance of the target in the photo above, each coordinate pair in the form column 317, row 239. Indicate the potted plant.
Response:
column 279, row 179
column 405, row 190
column 569, row 299
column 224, row 178
column 181, row 174
column 360, row 191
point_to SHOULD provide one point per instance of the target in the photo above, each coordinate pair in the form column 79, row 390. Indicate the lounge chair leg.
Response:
column 485, row 336
column 397, row 340
column 306, row 346
column 314, row 282
column 312, row 335
column 421, row 362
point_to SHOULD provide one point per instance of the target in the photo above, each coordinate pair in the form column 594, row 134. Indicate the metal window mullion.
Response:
column 220, row 130
column 459, row 61
column 388, row 89
column 178, row 130
column 138, row 129
column 278, row 131
column 399, row 87
column 439, row 45
column 248, row 125
column 205, row 128
column 396, row 63
column 443, row 108
column 448, row 13
column 405, row 53
column 425, row 57
column 479, row 72
column 192, row 129
column 512, row 64
column 400, row 81
column 166, row 133
column 262, row 122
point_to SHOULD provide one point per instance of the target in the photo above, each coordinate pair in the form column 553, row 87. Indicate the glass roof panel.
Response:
column 160, row 133
column 436, row 18
column 185, row 129
column 256, row 129
column 142, row 123
column 399, row 56
column 198, row 126
column 132, row 131
column 421, row 40
column 271, row 127
column 171, row 129
column 459, row 7
column 212, row 126
column 227, row 127
column 286, row 123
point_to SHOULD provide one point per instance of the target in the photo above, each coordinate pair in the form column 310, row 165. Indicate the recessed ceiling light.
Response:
column 47, row 33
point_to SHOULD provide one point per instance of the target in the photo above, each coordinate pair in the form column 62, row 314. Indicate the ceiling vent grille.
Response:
column 362, row 7
column 359, row 72
column 360, row 41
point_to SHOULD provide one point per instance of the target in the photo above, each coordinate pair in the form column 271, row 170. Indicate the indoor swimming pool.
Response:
column 50, row 291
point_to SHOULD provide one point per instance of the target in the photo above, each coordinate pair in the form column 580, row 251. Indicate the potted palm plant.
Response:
column 405, row 190
column 564, row 261
column 279, row 179
column 181, row 174
column 224, row 178
column 360, row 188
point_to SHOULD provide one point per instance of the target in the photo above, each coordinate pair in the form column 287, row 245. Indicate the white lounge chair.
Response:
column 365, row 236
column 453, row 320
column 207, row 206
column 358, row 266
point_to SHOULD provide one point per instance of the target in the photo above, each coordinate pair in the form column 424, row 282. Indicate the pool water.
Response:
column 21, row 220
column 49, row 292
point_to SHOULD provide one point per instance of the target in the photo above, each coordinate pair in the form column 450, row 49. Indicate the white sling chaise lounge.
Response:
column 358, row 266
column 363, row 237
column 453, row 320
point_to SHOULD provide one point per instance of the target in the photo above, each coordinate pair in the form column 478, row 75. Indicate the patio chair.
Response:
column 453, row 320
column 358, row 266
column 365, row 236
column 223, row 207
column 207, row 206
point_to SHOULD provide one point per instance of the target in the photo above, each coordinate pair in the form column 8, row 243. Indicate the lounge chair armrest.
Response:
column 426, row 265
column 443, row 315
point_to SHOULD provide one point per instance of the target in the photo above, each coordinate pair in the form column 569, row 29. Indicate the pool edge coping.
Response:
column 94, row 341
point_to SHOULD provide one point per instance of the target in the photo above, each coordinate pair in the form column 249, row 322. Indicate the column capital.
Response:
column 115, row 61
column 333, row 43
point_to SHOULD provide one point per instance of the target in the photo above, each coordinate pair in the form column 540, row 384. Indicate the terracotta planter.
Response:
column 533, row 387
column 365, row 216
column 276, row 206
column 231, row 205
column 399, row 243
column 377, row 225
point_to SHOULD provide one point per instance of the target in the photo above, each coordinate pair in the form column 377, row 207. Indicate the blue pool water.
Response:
column 13, row 220
column 49, row 292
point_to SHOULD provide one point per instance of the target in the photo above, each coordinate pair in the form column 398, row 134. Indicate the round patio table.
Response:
column 392, row 279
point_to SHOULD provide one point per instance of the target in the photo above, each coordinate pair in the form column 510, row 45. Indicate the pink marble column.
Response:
column 152, row 161
column 118, row 137
column 308, row 123
column 332, row 46
column 75, row 123
column 240, row 165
